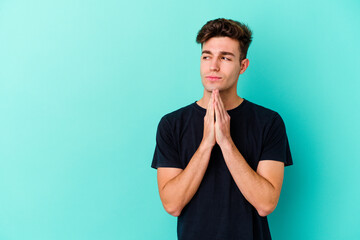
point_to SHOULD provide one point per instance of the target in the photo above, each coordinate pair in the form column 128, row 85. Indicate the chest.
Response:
column 247, row 136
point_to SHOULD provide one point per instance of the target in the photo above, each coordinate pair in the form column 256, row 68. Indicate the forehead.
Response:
column 221, row 44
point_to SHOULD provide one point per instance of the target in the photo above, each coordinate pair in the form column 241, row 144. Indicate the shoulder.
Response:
column 178, row 114
column 262, row 113
column 178, row 117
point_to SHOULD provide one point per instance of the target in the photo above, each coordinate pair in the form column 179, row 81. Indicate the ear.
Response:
column 244, row 65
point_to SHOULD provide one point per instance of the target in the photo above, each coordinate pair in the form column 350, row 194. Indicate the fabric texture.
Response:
column 218, row 210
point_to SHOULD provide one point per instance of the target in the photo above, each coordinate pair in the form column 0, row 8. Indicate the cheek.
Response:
column 235, row 71
column 202, row 70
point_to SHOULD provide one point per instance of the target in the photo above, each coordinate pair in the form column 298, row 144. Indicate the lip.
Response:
column 213, row 77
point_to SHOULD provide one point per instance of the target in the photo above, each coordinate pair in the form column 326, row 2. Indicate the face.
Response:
column 220, row 64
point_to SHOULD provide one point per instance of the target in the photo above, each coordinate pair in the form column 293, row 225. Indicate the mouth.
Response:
column 213, row 78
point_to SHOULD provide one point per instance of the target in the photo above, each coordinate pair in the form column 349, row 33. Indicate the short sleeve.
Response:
column 275, row 144
column 166, row 151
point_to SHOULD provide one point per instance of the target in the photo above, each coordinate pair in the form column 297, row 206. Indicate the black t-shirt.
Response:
column 218, row 210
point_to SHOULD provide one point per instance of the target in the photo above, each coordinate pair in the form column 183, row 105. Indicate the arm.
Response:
column 261, row 188
column 177, row 186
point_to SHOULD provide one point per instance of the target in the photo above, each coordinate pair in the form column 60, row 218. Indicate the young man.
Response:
column 220, row 161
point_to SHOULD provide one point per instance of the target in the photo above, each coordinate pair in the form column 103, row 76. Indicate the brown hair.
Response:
column 222, row 27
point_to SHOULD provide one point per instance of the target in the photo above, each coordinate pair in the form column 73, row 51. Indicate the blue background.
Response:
column 83, row 85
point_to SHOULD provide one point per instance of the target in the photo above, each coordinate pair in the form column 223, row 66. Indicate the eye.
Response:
column 205, row 57
column 227, row 59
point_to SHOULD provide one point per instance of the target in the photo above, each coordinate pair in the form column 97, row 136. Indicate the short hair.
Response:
column 222, row 27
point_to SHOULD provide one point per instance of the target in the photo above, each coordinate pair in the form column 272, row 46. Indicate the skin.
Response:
column 221, row 57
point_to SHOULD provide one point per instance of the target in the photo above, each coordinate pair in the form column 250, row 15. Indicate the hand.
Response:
column 222, row 123
column 209, row 124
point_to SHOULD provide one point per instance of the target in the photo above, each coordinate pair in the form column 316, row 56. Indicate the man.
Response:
column 220, row 161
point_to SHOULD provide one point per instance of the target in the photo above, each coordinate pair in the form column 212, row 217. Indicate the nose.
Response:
column 214, row 66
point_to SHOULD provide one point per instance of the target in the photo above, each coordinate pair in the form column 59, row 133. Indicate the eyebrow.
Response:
column 222, row 52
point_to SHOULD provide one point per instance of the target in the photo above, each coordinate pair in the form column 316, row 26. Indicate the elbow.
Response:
column 268, row 206
column 173, row 210
column 264, row 213
column 175, row 213
column 171, row 206
column 266, row 210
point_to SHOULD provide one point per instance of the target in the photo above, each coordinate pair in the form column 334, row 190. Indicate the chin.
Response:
column 212, row 87
column 209, row 89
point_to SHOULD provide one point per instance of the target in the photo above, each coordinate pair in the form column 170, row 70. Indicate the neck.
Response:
column 230, row 100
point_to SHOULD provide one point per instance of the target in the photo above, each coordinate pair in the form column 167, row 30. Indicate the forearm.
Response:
column 256, row 189
column 177, row 192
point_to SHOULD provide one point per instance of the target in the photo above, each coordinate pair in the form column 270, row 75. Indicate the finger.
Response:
column 217, row 111
column 225, row 115
column 222, row 107
column 220, row 111
column 211, row 107
column 208, row 106
column 221, row 102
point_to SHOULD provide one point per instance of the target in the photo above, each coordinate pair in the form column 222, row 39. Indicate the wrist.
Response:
column 204, row 146
column 226, row 145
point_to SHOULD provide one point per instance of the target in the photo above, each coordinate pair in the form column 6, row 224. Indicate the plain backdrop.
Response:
column 83, row 85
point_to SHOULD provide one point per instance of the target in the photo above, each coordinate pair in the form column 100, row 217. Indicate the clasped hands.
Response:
column 216, row 122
